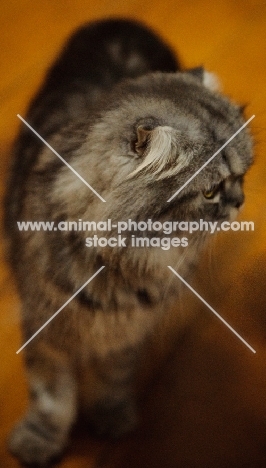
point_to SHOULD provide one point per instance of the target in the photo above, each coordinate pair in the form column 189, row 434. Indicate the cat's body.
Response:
column 108, row 132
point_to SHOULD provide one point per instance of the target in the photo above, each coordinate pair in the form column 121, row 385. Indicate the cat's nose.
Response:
column 238, row 203
column 240, row 200
column 235, row 198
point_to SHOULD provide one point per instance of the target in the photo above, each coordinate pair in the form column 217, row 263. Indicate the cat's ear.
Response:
column 163, row 154
column 143, row 137
column 208, row 79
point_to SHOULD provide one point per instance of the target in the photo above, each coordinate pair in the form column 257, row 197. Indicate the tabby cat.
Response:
column 121, row 112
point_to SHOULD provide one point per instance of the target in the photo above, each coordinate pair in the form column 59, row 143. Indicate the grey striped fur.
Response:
column 136, row 128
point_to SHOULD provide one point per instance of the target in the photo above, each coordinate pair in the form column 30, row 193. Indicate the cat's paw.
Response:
column 33, row 445
column 114, row 420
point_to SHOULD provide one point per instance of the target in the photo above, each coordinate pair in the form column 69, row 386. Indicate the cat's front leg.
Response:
column 41, row 435
column 112, row 412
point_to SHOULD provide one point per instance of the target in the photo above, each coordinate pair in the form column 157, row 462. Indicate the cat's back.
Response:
column 94, row 59
column 104, row 52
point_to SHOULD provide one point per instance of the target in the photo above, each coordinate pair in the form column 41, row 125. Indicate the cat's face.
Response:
column 157, row 132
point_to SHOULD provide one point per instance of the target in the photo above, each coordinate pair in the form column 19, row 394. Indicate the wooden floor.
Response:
column 206, row 408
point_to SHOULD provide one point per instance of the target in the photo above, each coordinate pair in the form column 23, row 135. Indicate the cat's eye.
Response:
column 209, row 194
column 212, row 192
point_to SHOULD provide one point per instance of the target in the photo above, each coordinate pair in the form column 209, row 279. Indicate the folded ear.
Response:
column 162, row 151
column 208, row 79
column 198, row 72
column 143, row 137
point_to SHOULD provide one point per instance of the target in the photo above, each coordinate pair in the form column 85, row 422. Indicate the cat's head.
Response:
column 150, row 137
column 155, row 133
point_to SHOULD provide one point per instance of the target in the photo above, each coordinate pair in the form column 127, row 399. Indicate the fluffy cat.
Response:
column 118, row 109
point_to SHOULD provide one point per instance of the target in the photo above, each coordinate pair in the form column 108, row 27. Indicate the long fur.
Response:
column 118, row 108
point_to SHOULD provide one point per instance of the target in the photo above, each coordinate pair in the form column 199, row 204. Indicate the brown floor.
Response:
column 206, row 408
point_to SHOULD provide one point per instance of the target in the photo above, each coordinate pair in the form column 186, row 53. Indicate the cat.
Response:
column 117, row 106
